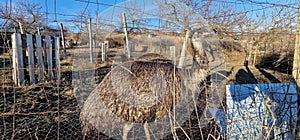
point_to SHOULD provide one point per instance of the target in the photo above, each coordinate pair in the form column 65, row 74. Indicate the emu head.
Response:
column 198, row 46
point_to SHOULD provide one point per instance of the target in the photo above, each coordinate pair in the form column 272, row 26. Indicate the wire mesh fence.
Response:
column 116, row 71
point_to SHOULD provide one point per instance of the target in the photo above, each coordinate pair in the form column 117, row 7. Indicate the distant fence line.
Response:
column 35, row 54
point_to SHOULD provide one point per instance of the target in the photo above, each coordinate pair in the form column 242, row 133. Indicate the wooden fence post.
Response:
column 63, row 39
column 296, row 72
column 38, row 31
column 21, row 28
column 183, row 50
column 14, row 47
column 94, row 41
column 49, row 57
column 39, row 52
column 248, row 53
column 129, row 51
column 173, row 54
column 103, row 50
column 18, row 68
column 126, row 35
column 255, row 54
column 57, row 59
column 30, row 58
column 91, row 41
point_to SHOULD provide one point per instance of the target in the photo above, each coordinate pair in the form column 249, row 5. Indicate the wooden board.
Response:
column 18, row 68
column 57, row 64
column 30, row 58
column 39, row 52
column 49, row 57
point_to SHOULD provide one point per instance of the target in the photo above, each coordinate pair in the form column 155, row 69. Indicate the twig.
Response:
column 171, row 125
column 49, row 132
column 128, row 70
column 199, row 123
column 210, row 135
column 28, row 130
column 46, row 96
column 35, row 134
column 4, row 109
column 176, row 123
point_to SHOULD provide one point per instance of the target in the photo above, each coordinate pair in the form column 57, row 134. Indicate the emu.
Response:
column 138, row 92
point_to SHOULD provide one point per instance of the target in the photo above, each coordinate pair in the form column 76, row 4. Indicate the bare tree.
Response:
column 183, row 13
column 25, row 13
column 134, row 13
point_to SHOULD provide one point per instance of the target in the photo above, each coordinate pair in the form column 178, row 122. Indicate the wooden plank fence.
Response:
column 33, row 55
column 104, row 48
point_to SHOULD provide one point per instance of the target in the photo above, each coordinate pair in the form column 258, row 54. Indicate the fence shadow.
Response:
column 245, row 77
column 269, row 76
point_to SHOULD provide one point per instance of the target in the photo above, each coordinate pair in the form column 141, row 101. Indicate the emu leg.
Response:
column 126, row 129
column 146, row 131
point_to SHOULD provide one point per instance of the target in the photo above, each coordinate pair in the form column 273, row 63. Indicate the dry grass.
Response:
column 50, row 109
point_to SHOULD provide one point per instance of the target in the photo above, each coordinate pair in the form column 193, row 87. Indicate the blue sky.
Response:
column 76, row 7
column 73, row 7
column 68, row 11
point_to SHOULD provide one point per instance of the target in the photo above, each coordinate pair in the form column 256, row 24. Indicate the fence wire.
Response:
column 257, row 40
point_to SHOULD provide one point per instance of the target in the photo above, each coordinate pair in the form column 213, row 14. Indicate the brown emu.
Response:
column 137, row 92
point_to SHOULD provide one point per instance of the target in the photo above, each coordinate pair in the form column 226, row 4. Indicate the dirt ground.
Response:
column 50, row 110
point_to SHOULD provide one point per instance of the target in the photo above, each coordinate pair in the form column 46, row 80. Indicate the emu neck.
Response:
column 191, row 78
